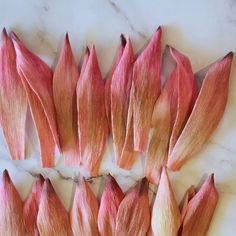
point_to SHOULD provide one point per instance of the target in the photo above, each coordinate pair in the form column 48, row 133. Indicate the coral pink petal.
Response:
column 133, row 217
column 120, row 94
column 108, row 80
column 84, row 212
column 186, row 94
column 201, row 209
column 13, row 101
column 202, row 123
column 111, row 198
column 11, row 212
column 46, row 141
column 146, row 83
column 92, row 121
column 39, row 77
column 52, row 218
column 158, row 147
column 31, row 207
column 65, row 79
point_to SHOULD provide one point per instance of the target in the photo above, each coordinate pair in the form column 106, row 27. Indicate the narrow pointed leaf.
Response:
column 39, row 78
column 202, row 123
column 200, row 210
column 120, row 93
column 166, row 217
column 133, row 217
column 128, row 155
column 11, row 212
column 110, row 202
column 52, row 218
column 146, row 82
column 84, row 211
column 158, row 146
column 13, row 101
column 190, row 193
column 184, row 86
column 92, row 121
column 31, row 207
column 46, row 141
column 108, row 80
column 65, row 79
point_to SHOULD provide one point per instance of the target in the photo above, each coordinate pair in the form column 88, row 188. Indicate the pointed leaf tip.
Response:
column 123, row 40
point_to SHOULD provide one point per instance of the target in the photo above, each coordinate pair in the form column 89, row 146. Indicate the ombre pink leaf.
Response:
column 52, row 218
column 11, row 212
column 146, row 89
column 13, row 101
column 65, row 79
column 202, row 123
column 133, row 217
column 158, row 147
column 84, row 211
column 200, row 210
column 184, row 91
column 39, row 78
column 46, row 141
column 31, row 207
column 128, row 155
column 92, row 121
column 108, row 80
column 110, row 202
column 120, row 93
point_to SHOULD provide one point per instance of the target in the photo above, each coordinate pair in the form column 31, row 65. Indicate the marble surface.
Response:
column 203, row 30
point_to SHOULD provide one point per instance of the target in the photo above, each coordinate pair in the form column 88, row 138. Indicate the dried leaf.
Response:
column 184, row 91
column 146, row 89
column 120, row 93
column 170, row 113
column 52, row 218
column 11, row 212
column 110, row 201
column 166, row 217
column 31, row 207
column 36, row 77
column 13, row 101
column 190, row 193
column 128, row 155
column 158, row 146
column 200, row 210
column 133, row 217
column 202, row 123
column 92, row 121
column 108, row 80
column 84, row 211
column 65, row 79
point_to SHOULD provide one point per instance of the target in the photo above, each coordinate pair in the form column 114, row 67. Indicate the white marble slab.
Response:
column 203, row 30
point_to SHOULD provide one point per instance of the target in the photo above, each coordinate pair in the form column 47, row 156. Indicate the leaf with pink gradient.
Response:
column 133, row 217
column 202, row 123
column 84, row 211
column 31, row 207
column 120, row 93
column 146, row 89
column 11, row 212
column 200, row 209
column 52, row 219
column 110, row 202
column 13, row 101
column 92, row 121
column 108, row 80
column 65, row 79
